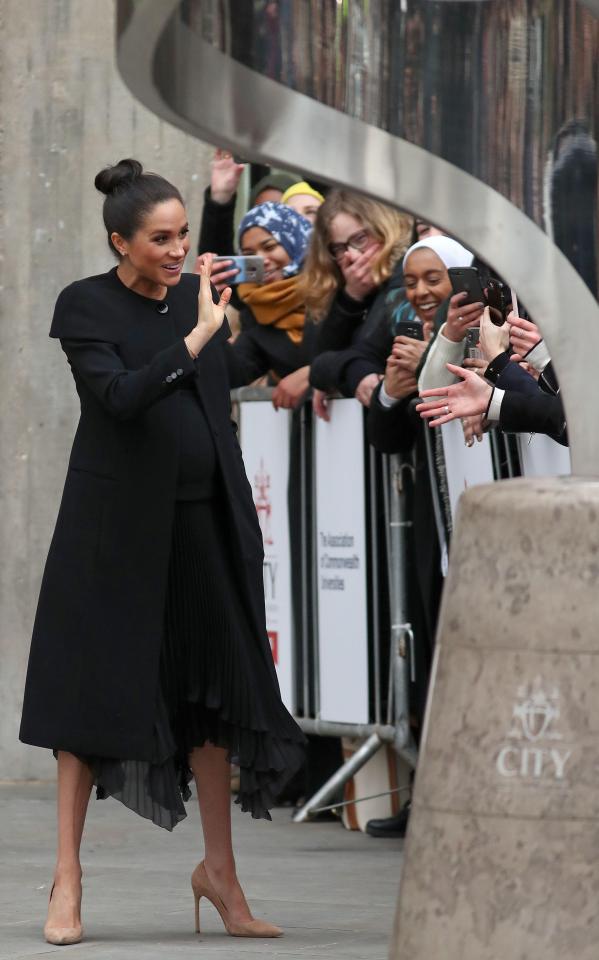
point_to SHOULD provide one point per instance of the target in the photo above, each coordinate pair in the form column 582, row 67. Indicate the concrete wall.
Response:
column 64, row 113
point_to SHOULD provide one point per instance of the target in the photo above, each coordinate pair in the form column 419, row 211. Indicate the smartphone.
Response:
column 409, row 328
column 499, row 300
column 472, row 338
column 251, row 269
column 467, row 280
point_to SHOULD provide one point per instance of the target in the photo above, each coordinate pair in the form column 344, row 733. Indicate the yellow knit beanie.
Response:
column 301, row 189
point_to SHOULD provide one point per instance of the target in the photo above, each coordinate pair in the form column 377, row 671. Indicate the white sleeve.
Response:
column 538, row 356
column 494, row 408
column 384, row 399
column 434, row 372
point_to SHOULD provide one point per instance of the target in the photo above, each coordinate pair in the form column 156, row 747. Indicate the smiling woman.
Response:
column 150, row 661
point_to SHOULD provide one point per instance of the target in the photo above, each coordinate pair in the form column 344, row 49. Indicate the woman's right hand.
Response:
column 357, row 273
column 210, row 314
column 460, row 316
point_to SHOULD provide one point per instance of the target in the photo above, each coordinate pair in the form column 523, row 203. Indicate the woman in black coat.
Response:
column 150, row 660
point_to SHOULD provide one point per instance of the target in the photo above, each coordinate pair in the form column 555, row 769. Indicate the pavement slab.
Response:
column 333, row 891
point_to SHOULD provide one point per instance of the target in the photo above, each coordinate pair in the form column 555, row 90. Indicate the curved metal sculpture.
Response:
column 479, row 117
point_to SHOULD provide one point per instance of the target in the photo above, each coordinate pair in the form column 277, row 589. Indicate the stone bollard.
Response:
column 502, row 854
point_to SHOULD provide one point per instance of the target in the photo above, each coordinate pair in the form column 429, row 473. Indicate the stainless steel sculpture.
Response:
column 481, row 117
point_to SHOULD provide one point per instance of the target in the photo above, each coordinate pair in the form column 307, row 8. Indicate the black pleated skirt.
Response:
column 215, row 685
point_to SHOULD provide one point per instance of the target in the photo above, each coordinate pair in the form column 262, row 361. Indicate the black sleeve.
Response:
column 510, row 376
column 536, row 414
column 548, row 381
column 391, row 429
column 217, row 232
column 344, row 369
column 337, row 329
column 126, row 394
column 246, row 360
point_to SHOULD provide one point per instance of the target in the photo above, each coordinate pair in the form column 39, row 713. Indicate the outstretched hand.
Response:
column 210, row 314
column 467, row 398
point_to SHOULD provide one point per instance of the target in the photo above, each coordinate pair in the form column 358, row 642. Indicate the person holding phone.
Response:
column 274, row 338
column 217, row 231
column 150, row 662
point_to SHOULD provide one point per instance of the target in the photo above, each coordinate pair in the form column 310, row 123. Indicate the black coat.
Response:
column 94, row 662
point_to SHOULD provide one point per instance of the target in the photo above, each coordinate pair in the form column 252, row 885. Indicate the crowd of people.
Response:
column 359, row 302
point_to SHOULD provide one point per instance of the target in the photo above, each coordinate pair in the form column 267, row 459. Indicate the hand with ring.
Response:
column 469, row 397
column 460, row 316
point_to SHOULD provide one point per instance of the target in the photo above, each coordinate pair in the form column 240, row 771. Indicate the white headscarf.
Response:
column 452, row 253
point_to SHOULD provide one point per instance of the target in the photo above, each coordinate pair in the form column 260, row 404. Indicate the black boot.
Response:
column 391, row 826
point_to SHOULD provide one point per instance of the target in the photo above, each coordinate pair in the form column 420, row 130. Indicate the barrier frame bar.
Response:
column 396, row 731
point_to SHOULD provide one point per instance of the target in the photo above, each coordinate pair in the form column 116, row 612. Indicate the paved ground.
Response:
column 333, row 891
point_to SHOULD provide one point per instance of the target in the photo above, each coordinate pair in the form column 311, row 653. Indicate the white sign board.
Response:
column 265, row 446
column 540, row 456
column 341, row 564
column 465, row 466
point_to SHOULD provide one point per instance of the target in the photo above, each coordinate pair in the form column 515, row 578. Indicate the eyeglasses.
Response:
column 358, row 241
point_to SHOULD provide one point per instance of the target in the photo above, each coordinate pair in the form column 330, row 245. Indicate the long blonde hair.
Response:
column 321, row 277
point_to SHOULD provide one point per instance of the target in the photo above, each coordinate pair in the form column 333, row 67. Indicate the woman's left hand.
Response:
column 290, row 391
column 493, row 339
column 467, row 398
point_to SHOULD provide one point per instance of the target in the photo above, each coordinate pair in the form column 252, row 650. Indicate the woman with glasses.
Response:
column 350, row 271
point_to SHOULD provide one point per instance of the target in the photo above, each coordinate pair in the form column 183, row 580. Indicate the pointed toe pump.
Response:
column 62, row 936
column 202, row 887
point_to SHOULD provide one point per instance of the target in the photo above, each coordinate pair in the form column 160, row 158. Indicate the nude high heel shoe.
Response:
column 62, row 936
column 202, row 887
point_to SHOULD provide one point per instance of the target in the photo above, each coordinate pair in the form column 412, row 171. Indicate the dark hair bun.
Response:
column 111, row 179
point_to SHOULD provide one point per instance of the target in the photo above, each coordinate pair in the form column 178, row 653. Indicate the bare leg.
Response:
column 212, row 774
column 74, row 787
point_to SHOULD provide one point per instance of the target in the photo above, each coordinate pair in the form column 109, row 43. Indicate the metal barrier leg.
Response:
column 340, row 777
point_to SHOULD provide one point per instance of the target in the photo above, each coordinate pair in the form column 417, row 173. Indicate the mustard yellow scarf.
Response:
column 277, row 304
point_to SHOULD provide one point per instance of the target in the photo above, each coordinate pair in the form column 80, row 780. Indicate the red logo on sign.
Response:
column 273, row 636
column 262, row 502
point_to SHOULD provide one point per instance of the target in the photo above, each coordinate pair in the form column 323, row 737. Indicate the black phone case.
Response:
column 467, row 280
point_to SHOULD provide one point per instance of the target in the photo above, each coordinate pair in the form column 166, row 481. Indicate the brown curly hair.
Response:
column 321, row 277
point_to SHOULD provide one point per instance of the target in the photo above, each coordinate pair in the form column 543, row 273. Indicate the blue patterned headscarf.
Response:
column 288, row 228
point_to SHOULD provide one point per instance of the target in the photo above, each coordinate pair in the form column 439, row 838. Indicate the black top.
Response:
column 197, row 455
column 196, row 478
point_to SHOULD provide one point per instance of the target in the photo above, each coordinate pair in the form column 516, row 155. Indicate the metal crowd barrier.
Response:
column 386, row 523
column 284, row 453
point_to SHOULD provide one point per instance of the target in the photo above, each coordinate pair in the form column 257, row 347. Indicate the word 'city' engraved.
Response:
column 534, row 717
